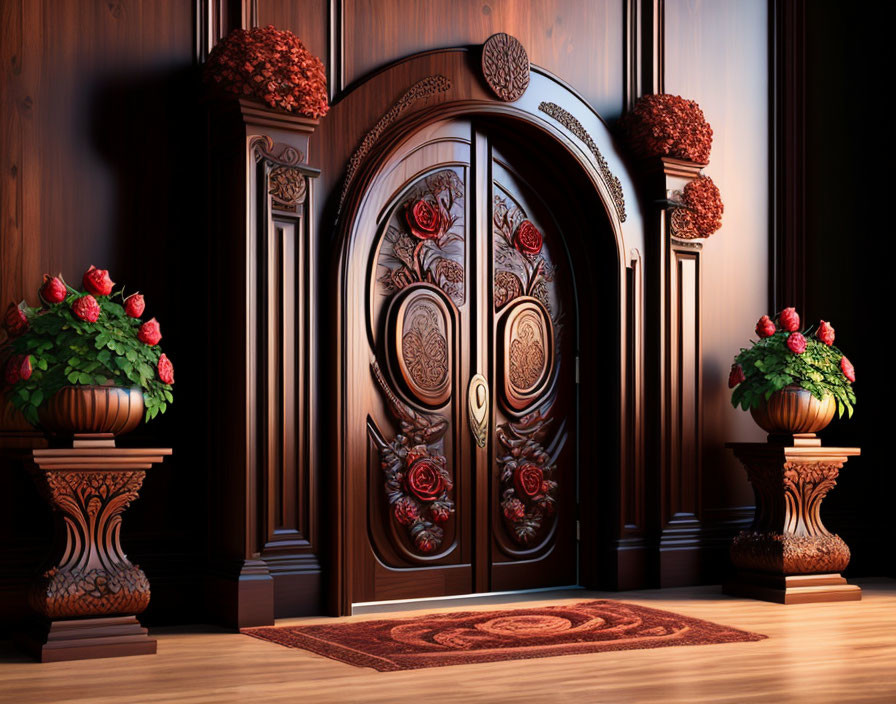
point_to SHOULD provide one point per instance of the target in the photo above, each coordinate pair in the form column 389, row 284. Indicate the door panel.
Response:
column 534, row 472
column 463, row 379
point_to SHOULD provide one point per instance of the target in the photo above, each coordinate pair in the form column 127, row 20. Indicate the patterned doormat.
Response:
column 466, row 637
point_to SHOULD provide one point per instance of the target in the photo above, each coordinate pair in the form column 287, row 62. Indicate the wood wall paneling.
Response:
column 718, row 55
column 97, row 115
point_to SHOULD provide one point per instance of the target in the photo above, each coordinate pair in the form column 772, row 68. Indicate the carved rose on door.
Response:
column 425, row 238
column 427, row 480
column 527, row 480
column 527, row 239
column 425, row 220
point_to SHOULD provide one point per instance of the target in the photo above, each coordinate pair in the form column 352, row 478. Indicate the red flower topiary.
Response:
column 53, row 290
column 86, row 308
column 825, row 333
column 765, row 327
column 668, row 125
column 789, row 320
column 272, row 65
column 796, row 343
column 849, row 371
column 736, row 376
column 700, row 214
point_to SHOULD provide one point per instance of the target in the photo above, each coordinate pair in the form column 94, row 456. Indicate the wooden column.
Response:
column 263, row 524
column 89, row 599
column 674, row 372
column 787, row 555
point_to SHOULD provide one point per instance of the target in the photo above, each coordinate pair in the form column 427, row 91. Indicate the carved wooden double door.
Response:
column 462, row 468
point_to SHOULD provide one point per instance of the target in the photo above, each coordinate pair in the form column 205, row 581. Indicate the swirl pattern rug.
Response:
column 435, row 640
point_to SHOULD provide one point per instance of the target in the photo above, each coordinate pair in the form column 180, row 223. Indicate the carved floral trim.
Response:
column 421, row 90
column 613, row 184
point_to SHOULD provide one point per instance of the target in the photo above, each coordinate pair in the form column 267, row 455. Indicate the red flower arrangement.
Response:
column 272, row 65
column 89, row 337
column 784, row 355
column 700, row 214
column 668, row 125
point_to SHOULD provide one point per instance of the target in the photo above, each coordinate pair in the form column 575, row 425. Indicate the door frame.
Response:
column 434, row 86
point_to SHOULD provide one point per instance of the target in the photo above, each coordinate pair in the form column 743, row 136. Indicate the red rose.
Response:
column 97, row 281
column 789, row 320
column 405, row 511
column 86, row 308
column 150, row 333
column 166, row 369
column 134, row 305
column 424, row 480
column 849, row 371
column 765, row 327
column 53, row 290
column 736, row 376
column 825, row 333
column 25, row 368
column 15, row 321
column 527, row 480
column 514, row 510
column 527, row 239
column 424, row 219
column 796, row 343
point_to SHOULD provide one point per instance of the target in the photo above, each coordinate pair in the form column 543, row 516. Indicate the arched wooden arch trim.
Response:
column 404, row 98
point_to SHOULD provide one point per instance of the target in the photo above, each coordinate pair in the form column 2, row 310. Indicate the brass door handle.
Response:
column 477, row 405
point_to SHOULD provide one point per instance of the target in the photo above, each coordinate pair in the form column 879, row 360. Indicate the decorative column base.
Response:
column 792, row 589
column 88, row 601
column 87, row 638
column 787, row 555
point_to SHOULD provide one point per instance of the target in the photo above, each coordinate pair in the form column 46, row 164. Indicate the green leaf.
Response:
column 37, row 397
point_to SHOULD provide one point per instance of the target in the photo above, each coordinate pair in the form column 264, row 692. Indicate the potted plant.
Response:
column 84, row 361
column 792, row 380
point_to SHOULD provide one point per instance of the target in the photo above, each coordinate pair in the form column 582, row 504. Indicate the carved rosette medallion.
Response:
column 505, row 66
column 787, row 536
column 94, row 577
column 286, row 186
column 528, row 347
column 421, row 331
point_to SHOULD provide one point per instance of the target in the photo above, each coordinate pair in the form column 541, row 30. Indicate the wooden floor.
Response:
column 833, row 652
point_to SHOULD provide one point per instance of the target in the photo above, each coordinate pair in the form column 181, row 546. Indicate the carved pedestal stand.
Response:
column 787, row 555
column 90, row 599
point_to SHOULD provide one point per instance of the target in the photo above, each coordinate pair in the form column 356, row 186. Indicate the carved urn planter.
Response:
column 793, row 411
column 92, row 410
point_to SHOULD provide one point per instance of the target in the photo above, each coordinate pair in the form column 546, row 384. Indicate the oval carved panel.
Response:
column 420, row 337
column 527, row 353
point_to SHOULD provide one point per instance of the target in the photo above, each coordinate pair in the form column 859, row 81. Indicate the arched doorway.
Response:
column 480, row 406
